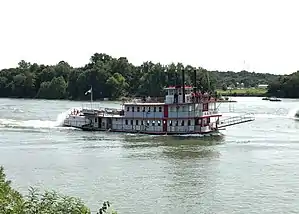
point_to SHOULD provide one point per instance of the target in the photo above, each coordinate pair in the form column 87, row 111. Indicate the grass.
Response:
column 243, row 92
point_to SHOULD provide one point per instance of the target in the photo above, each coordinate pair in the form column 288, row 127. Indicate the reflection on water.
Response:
column 177, row 141
column 195, row 153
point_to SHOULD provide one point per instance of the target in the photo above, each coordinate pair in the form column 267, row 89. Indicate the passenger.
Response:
column 192, row 97
column 197, row 97
column 175, row 98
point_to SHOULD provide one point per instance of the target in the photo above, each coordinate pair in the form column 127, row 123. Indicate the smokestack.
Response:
column 194, row 79
column 183, row 80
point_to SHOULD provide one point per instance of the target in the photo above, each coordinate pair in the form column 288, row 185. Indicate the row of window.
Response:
column 143, row 109
column 158, row 122
column 173, row 108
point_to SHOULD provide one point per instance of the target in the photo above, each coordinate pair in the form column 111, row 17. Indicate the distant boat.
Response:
column 266, row 98
column 274, row 99
column 225, row 100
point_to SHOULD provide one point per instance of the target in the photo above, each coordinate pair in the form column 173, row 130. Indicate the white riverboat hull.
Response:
column 76, row 121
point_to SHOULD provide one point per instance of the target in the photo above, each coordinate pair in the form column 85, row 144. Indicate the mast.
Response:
column 183, row 81
column 194, row 78
column 208, row 80
column 91, row 97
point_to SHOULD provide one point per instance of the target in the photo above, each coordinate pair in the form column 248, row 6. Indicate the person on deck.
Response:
column 175, row 98
column 192, row 97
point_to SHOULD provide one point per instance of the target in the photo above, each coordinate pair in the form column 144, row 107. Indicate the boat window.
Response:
column 133, row 109
column 159, row 123
column 182, row 123
column 143, row 109
column 96, row 120
column 138, row 109
column 131, row 122
column 189, row 122
column 148, row 123
column 176, row 123
column 155, row 108
column 205, row 107
column 204, row 121
column 142, row 122
column 160, row 109
column 126, row 122
column 137, row 122
column 197, row 121
column 153, row 123
column 208, row 120
column 149, row 109
column 128, row 108
column 170, row 123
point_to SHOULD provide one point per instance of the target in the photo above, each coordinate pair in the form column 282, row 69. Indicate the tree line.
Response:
column 113, row 78
column 285, row 86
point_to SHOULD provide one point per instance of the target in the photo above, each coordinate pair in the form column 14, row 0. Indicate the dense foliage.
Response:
column 12, row 202
column 249, row 79
column 111, row 77
column 285, row 86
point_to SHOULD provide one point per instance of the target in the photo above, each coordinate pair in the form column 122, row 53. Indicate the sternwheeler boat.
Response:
column 185, row 110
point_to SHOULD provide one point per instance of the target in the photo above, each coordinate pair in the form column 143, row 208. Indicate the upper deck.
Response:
column 195, row 104
column 177, row 95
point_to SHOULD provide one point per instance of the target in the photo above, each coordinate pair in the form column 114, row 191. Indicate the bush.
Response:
column 50, row 202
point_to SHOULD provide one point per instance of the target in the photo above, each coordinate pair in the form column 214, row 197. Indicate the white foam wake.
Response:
column 292, row 113
column 35, row 124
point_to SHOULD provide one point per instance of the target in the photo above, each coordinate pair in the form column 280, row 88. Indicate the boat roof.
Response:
column 144, row 104
column 162, row 104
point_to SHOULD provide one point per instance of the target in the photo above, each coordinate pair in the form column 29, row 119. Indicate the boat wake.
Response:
column 290, row 115
column 36, row 124
column 294, row 114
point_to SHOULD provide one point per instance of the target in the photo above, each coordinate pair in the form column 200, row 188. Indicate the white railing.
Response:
column 236, row 120
column 94, row 106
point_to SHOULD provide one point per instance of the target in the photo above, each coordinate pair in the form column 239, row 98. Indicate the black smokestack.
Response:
column 194, row 79
column 183, row 81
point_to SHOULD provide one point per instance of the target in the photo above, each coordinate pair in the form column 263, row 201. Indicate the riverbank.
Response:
column 246, row 92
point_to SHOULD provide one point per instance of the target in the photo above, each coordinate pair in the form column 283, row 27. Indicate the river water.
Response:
column 252, row 168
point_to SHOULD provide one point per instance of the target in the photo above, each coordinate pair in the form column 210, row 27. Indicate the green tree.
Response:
column 115, row 77
column 224, row 87
column 118, row 85
column 11, row 201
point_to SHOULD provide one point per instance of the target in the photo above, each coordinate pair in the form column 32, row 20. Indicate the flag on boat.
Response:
column 89, row 91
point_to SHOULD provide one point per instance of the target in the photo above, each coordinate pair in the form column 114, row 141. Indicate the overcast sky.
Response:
column 256, row 35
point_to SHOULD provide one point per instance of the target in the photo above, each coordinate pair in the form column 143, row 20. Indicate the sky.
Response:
column 255, row 35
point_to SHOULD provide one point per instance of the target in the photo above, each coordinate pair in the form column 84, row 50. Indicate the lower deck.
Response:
column 149, row 126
